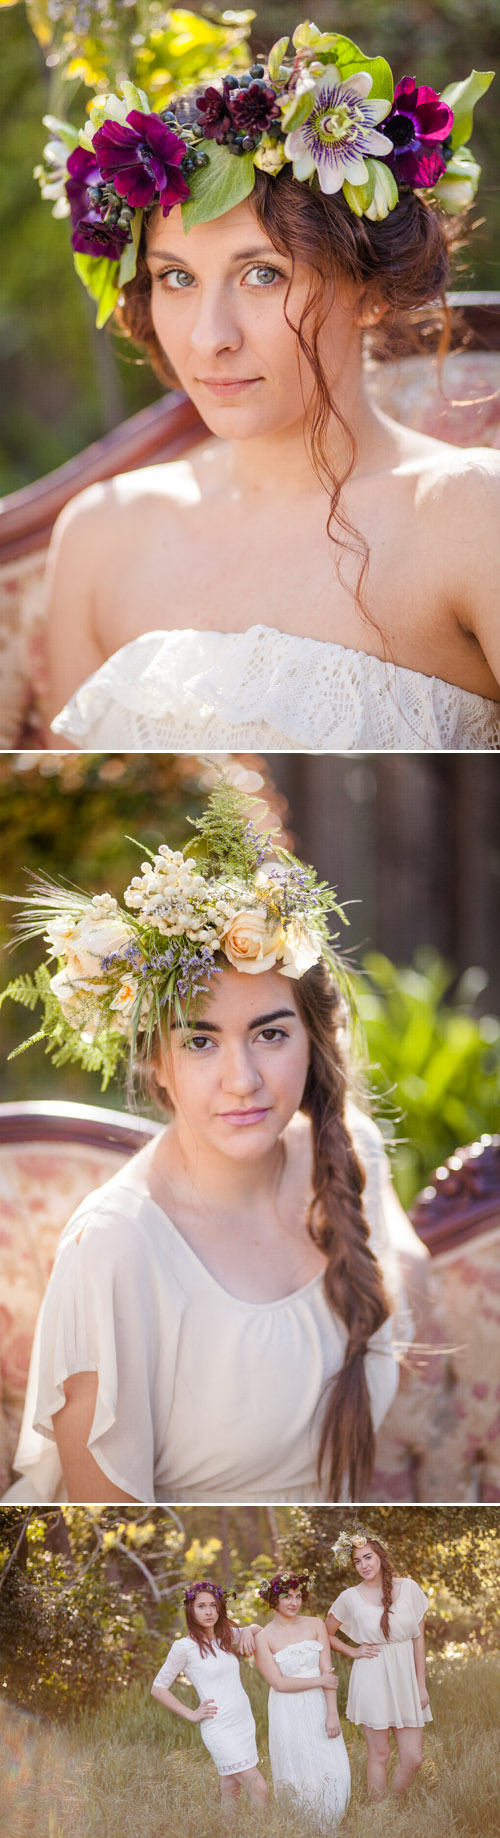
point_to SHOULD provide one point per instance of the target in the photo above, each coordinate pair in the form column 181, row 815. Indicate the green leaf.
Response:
column 462, row 98
column 358, row 197
column 349, row 60
column 297, row 110
column 128, row 262
column 61, row 129
column 216, row 188
column 275, row 56
column 101, row 278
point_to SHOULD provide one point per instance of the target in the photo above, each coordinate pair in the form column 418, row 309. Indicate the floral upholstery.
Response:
column 409, row 390
column 441, row 1438
column 41, row 1183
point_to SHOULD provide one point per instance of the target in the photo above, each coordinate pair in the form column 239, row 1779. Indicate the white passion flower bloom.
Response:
column 340, row 129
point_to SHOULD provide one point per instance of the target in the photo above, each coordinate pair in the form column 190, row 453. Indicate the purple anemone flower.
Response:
column 417, row 125
column 142, row 158
column 91, row 233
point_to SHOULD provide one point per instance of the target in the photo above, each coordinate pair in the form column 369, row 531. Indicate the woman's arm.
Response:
column 84, row 1478
column 270, row 1671
column 244, row 1638
column 207, row 1709
column 72, row 564
column 332, row 1715
column 364, row 1651
column 419, row 1651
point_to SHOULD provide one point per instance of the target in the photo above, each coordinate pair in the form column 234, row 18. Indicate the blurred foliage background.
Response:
column 94, row 1595
column 432, row 1026
column 62, row 383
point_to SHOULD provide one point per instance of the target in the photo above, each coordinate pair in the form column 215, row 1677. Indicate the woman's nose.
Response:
column 240, row 1075
column 215, row 327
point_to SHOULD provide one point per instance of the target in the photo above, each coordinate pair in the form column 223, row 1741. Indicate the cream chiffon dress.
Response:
column 200, row 1396
column 230, row 1735
column 271, row 691
column 383, row 1692
column 310, row 1764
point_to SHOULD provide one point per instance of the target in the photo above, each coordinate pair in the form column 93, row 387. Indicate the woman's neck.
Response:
column 199, row 1170
column 278, row 464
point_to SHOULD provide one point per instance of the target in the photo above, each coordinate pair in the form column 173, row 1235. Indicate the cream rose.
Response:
column 94, row 939
column 299, row 950
column 251, row 940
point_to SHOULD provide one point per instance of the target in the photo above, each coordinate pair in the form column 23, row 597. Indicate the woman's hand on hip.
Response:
column 207, row 1709
column 366, row 1651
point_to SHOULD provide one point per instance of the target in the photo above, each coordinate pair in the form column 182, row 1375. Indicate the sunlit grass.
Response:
column 131, row 1771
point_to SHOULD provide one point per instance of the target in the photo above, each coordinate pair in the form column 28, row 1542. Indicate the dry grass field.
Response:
column 132, row 1771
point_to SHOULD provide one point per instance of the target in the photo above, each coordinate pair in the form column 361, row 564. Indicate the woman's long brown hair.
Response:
column 222, row 1632
column 388, row 1573
column 338, row 1224
column 402, row 261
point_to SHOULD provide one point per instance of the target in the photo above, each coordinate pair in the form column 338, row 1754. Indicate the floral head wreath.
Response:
column 350, row 1541
column 194, row 1589
column 318, row 104
column 232, row 896
column 275, row 1586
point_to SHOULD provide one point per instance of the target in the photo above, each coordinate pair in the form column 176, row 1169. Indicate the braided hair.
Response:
column 338, row 1225
column 388, row 1572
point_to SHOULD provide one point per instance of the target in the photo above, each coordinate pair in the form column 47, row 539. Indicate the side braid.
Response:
column 387, row 1574
column 338, row 1224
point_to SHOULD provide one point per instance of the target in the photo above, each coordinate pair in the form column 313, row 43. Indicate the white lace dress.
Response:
column 201, row 1396
column 264, row 689
column 230, row 1736
column 313, row 1767
column 383, row 1692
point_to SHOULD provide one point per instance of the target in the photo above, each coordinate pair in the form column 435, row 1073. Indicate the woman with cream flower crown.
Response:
column 387, row 1690
column 317, row 576
column 220, row 1321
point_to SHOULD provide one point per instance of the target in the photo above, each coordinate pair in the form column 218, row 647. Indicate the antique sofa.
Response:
column 441, row 1439
column 464, row 407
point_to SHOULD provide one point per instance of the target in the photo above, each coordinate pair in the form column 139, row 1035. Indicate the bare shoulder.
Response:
column 109, row 502
column 460, row 479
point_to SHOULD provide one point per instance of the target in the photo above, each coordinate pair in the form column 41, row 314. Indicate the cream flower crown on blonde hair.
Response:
column 318, row 105
column 232, row 896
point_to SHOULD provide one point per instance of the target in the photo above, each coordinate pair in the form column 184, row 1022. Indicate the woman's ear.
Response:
column 370, row 311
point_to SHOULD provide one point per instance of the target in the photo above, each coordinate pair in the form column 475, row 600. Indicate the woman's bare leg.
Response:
column 255, row 1785
column 377, row 1742
column 409, row 1743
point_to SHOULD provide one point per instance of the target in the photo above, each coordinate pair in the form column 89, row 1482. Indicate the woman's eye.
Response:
column 273, row 1033
column 199, row 1041
column 175, row 278
column 265, row 275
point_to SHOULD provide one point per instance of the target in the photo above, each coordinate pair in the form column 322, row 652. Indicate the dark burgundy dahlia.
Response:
column 141, row 157
column 418, row 124
column 92, row 233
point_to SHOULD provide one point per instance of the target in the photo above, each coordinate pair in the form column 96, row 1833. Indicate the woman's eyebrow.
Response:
column 278, row 1014
column 241, row 255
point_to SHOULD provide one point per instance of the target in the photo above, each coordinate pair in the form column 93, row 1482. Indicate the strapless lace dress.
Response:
column 312, row 1767
column 266, row 690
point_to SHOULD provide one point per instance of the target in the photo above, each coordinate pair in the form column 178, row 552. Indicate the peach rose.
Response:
column 251, row 940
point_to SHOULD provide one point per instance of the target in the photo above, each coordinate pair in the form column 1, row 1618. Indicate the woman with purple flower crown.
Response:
column 208, row 1656
column 318, row 576
column 220, row 1321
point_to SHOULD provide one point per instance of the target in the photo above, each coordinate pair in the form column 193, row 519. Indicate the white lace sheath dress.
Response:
column 201, row 1396
column 313, row 1767
column 268, row 690
column 230, row 1736
column 383, row 1692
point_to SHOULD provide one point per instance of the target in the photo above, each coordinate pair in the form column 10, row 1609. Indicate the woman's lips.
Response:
column 242, row 1117
column 228, row 386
